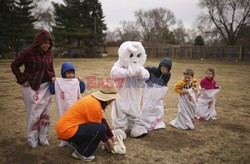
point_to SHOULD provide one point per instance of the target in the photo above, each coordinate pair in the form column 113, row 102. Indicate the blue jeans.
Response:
column 88, row 137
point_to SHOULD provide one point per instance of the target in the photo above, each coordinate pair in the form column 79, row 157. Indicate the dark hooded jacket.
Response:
column 38, row 65
column 66, row 67
column 155, row 73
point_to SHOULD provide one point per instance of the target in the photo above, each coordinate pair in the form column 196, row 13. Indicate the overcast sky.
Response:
column 116, row 11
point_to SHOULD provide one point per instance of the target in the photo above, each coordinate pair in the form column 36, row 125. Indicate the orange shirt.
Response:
column 87, row 109
column 183, row 84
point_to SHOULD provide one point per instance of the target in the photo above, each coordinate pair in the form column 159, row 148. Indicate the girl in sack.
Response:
column 207, row 96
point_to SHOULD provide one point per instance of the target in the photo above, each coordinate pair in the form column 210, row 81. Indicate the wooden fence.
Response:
column 199, row 52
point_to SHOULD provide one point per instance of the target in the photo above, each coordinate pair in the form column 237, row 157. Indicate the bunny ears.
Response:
column 119, row 148
column 131, row 47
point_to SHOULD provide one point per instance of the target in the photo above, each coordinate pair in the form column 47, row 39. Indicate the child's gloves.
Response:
column 149, row 83
column 79, row 79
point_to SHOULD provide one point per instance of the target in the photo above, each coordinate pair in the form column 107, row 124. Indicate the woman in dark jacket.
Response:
column 38, row 72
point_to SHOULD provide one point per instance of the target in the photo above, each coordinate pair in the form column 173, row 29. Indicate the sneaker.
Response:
column 77, row 155
column 63, row 143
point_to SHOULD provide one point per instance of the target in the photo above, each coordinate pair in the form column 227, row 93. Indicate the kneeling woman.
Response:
column 83, row 124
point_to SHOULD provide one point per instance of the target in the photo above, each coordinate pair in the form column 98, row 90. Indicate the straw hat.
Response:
column 106, row 93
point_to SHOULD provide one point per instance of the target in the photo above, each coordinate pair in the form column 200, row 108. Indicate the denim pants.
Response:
column 88, row 137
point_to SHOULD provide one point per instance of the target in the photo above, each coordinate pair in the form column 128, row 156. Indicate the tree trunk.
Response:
column 17, row 46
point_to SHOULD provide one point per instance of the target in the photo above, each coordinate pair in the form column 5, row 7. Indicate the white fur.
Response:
column 130, row 63
column 135, row 48
column 117, row 132
column 119, row 148
column 138, row 131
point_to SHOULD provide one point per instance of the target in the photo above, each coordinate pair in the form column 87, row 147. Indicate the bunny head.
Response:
column 119, row 148
column 132, row 52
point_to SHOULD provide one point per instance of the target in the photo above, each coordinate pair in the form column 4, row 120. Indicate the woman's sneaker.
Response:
column 63, row 143
column 77, row 155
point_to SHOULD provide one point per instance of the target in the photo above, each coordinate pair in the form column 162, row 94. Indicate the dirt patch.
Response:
column 19, row 98
column 235, row 128
column 171, row 140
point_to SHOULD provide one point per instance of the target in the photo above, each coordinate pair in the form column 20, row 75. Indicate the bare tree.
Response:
column 155, row 24
column 209, row 33
column 245, row 38
column 43, row 12
column 229, row 17
column 190, row 35
column 180, row 33
column 111, row 36
column 45, row 18
column 127, row 31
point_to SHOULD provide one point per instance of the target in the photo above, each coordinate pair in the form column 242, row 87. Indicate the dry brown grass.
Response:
column 225, row 140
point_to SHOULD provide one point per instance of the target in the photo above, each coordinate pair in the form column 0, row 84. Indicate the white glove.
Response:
column 143, row 73
column 133, row 70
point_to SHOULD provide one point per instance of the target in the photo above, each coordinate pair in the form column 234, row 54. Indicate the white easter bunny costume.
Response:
column 130, row 76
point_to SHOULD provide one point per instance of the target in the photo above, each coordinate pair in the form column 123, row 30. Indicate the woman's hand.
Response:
column 111, row 143
column 114, row 139
column 26, row 84
column 53, row 79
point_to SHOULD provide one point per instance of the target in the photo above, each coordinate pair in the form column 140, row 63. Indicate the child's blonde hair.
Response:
column 189, row 72
column 211, row 70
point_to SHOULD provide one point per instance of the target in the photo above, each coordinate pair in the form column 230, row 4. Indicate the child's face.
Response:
column 44, row 46
column 164, row 70
column 209, row 75
column 70, row 74
column 187, row 78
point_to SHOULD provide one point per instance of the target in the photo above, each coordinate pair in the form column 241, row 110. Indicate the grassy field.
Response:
column 225, row 140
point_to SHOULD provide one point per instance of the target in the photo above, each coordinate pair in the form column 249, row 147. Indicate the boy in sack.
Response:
column 67, row 90
column 186, row 101
column 154, row 93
